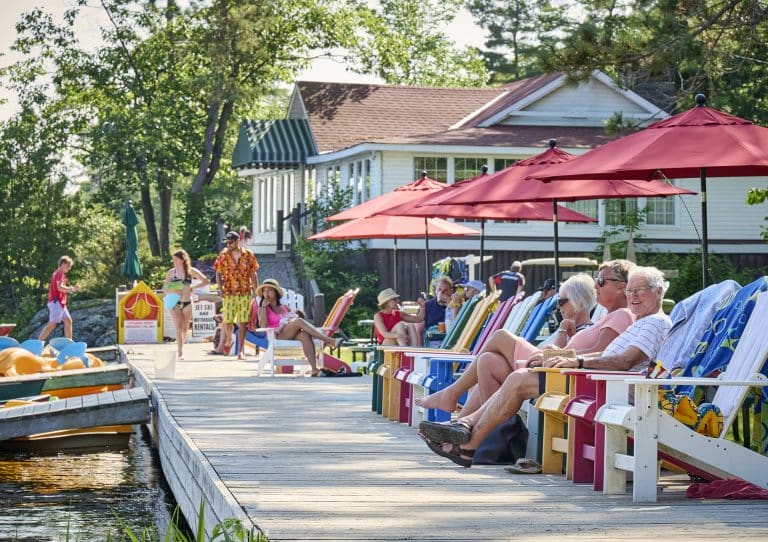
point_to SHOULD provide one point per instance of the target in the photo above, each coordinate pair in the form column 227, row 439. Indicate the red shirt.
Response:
column 390, row 321
column 54, row 294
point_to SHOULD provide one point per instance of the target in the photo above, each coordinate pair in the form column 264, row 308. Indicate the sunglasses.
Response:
column 602, row 280
column 562, row 301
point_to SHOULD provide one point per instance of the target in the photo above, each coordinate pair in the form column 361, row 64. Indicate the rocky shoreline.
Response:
column 93, row 322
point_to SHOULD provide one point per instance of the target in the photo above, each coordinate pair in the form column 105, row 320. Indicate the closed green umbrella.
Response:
column 131, row 268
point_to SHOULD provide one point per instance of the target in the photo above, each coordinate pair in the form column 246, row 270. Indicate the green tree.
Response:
column 516, row 30
column 403, row 45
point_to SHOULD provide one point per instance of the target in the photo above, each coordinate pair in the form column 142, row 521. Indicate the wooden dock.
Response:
column 305, row 459
column 121, row 407
column 12, row 387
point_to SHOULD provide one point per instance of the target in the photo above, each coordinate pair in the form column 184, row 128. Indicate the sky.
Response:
column 462, row 30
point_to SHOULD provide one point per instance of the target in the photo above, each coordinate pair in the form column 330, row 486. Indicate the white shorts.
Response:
column 59, row 312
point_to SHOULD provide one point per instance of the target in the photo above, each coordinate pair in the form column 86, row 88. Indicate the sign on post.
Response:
column 203, row 324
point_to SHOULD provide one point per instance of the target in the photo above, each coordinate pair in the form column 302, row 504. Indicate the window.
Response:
column 661, row 211
column 466, row 168
column 616, row 211
column 585, row 207
column 435, row 166
column 503, row 163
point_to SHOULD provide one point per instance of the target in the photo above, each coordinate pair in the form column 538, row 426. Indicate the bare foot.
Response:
column 241, row 356
column 439, row 400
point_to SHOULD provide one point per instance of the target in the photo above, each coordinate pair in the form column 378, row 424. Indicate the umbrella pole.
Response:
column 427, row 270
column 482, row 248
column 557, row 241
column 394, row 267
column 704, row 239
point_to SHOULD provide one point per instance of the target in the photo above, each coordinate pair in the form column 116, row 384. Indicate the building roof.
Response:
column 508, row 136
column 342, row 115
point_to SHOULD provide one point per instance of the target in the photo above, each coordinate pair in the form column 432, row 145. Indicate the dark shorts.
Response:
column 542, row 383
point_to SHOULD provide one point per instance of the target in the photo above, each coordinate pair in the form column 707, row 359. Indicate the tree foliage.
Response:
column 403, row 44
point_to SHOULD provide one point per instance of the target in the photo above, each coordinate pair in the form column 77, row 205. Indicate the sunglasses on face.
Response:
column 602, row 280
column 562, row 301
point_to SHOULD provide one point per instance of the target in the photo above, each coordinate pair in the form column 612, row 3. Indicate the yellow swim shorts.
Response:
column 236, row 309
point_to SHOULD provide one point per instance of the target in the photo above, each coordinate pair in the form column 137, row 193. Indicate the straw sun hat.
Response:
column 386, row 295
column 271, row 283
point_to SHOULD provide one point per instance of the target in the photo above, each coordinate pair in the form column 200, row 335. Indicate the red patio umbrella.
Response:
column 700, row 142
column 515, row 184
column 395, row 227
column 399, row 195
column 521, row 211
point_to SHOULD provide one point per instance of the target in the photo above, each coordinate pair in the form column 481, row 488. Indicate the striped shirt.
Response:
column 647, row 334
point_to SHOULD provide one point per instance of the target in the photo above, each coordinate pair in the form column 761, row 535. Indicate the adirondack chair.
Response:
column 279, row 352
column 696, row 321
column 657, row 434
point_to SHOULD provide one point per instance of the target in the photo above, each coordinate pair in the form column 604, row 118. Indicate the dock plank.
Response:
column 108, row 408
column 305, row 459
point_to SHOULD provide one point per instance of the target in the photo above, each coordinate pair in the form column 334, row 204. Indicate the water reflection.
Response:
column 76, row 496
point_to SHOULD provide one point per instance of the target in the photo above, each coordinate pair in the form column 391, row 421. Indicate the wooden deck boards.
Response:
column 305, row 459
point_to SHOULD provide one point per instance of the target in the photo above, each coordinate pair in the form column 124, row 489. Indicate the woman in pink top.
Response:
column 499, row 356
column 393, row 326
column 289, row 325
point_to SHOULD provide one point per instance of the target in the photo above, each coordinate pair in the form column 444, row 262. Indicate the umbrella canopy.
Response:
column 515, row 184
column 395, row 227
column 423, row 206
column 701, row 142
column 131, row 268
column 399, row 195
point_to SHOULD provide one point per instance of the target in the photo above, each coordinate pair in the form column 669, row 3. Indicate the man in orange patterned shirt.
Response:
column 237, row 277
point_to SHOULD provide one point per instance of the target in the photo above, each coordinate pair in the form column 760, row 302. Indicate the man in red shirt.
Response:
column 57, row 299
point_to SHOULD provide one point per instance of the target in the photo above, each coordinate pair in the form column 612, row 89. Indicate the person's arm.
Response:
column 263, row 321
column 66, row 289
column 196, row 273
column 219, row 283
column 520, row 283
column 167, row 281
column 254, row 283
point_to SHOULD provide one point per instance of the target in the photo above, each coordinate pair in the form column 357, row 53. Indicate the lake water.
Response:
column 76, row 496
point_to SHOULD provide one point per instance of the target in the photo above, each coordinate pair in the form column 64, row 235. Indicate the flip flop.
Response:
column 524, row 466
column 215, row 353
column 461, row 457
column 455, row 433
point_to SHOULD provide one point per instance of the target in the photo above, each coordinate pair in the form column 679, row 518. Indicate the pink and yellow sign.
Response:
column 140, row 317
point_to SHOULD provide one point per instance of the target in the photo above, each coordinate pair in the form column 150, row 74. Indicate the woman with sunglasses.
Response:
column 499, row 356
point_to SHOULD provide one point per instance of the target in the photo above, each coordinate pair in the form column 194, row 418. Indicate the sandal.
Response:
column 460, row 456
column 524, row 466
column 455, row 433
column 216, row 353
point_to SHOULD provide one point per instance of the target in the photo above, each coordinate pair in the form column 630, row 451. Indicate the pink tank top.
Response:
column 273, row 318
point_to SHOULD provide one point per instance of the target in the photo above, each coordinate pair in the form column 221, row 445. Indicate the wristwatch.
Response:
column 580, row 361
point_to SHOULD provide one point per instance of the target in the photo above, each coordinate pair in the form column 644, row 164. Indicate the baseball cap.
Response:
column 232, row 236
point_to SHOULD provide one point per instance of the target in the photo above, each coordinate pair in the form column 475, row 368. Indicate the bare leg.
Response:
column 473, row 402
column 49, row 327
column 68, row 328
column 401, row 330
column 413, row 336
column 178, row 318
column 226, row 339
column 308, row 345
column 241, row 329
column 292, row 328
column 505, row 403
column 447, row 398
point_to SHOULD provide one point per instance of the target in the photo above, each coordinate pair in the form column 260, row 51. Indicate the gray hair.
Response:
column 516, row 266
column 652, row 276
column 580, row 291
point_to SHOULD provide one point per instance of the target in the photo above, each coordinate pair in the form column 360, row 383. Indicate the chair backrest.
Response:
column 8, row 342
column 33, row 345
column 339, row 311
column 715, row 348
column 476, row 320
column 497, row 320
column 59, row 343
column 74, row 350
column 520, row 312
column 749, row 358
column 461, row 319
column 538, row 317
column 293, row 300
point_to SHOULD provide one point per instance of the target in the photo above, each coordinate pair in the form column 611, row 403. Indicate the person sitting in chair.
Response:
column 289, row 325
column 631, row 351
column 393, row 326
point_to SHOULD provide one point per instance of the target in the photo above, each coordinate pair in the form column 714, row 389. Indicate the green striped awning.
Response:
column 273, row 144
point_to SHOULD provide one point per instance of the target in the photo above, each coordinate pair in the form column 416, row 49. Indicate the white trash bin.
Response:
column 165, row 364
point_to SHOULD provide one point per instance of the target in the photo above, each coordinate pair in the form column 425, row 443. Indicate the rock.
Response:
column 93, row 322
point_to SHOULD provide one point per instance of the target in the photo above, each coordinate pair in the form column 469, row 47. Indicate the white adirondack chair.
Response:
column 655, row 431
